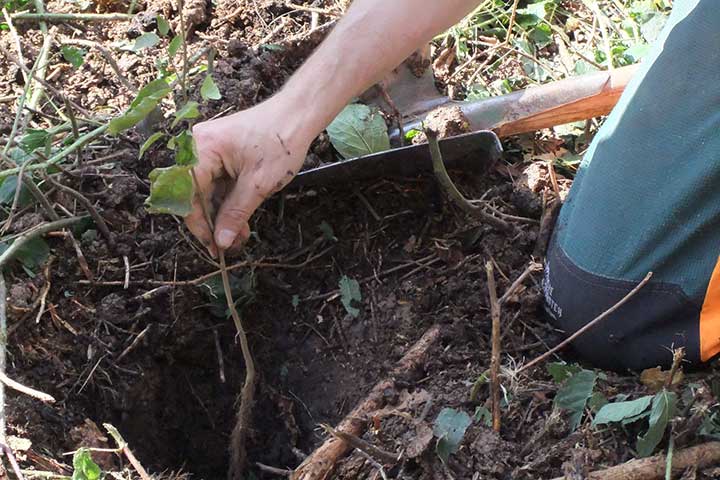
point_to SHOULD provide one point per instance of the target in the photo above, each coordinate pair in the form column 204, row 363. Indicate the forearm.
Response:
column 372, row 38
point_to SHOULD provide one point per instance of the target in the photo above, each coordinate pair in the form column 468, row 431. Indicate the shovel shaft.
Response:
column 555, row 103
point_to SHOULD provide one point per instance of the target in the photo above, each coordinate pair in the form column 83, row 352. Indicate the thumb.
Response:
column 232, row 219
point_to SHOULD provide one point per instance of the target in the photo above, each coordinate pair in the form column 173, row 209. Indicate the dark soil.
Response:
column 166, row 371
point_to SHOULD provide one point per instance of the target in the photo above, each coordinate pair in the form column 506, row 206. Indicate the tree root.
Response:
column 321, row 463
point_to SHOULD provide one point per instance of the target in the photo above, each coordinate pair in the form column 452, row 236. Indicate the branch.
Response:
column 70, row 17
column 589, row 325
column 495, row 355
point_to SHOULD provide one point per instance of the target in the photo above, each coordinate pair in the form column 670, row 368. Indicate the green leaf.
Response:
column 187, row 112
column 146, row 40
column 574, row 394
column 75, row 56
column 349, row 291
column 83, row 466
column 209, row 90
column 186, row 153
column 163, row 25
column 7, row 192
column 663, row 408
column 31, row 254
column 171, row 191
column 149, row 143
column 175, row 45
column 146, row 101
column 619, row 411
column 358, row 131
column 561, row 371
column 450, row 427
column 33, row 139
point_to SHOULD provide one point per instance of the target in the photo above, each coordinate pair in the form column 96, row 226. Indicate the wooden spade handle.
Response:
column 561, row 102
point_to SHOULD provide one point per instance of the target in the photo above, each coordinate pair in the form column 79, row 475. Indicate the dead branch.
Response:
column 321, row 463
column 532, row 268
column 13, row 461
column 588, row 326
column 31, row 392
column 451, row 190
column 495, row 355
column 71, row 17
column 653, row 468
column 97, row 218
column 383, row 456
column 678, row 355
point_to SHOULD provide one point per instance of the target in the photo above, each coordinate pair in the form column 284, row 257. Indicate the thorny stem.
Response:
column 451, row 190
column 247, row 394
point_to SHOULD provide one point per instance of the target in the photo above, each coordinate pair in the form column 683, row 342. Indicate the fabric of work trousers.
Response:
column 647, row 199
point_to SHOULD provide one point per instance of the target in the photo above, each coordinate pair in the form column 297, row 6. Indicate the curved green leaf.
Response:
column 574, row 394
column 149, row 143
column 663, row 408
column 171, row 191
column 146, row 40
column 209, row 89
column 619, row 411
column 187, row 112
column 450, row 427
column 186, row 151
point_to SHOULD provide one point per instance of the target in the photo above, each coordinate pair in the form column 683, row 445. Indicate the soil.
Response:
column 159, row 360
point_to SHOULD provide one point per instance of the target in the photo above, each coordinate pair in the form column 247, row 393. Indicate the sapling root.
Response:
column 238, row 454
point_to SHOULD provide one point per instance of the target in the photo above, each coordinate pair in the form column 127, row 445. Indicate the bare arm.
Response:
column 262, row 148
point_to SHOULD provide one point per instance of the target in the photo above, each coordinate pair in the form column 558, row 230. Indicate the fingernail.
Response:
column 226, row 238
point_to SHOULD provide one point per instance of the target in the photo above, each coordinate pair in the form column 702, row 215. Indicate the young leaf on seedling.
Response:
column 483, row 415
column 83, row 466
column 187, row 112
column 663, row 408
column 186, row 152
column 209, row 89
column 357, row 131
column 146, row 40
column 163, row 25
column 75, row 56
column 147, row 99
column 449, row 428
column 149, row 143
column 174, row 45
column 349, row 291
column 33, row 139
column 31, row 254
column 574, row 394
column 171, row 191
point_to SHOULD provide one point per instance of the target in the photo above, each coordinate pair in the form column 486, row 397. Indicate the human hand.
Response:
column 243, row 159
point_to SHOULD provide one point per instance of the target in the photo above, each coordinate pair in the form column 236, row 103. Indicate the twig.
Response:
column 185, row 65
column 451, row 190
column 3, row 351
column 122, row 444
column 45, row 289
column 136, row 341
column 495, row 355
column 13, row 461
column 678, row 355
column 31, row 392
column 304, row 8
column 34, row 232
column 356, row 442
column 42, row 60
column 532, row 268
column 512, row 22
column 16, row 38
column 274, row 470
column 87, row 204
column 16, row 197
column 71, row 17
column 126, row 283
column 58, row 157
column 588, row 326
